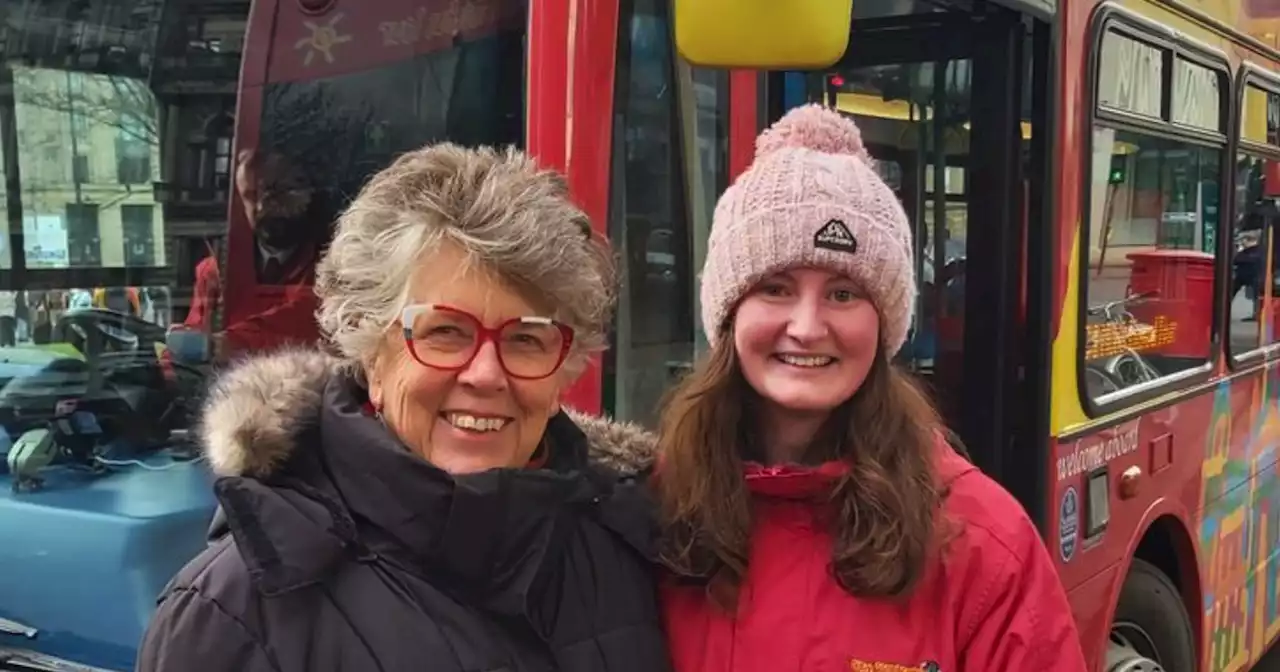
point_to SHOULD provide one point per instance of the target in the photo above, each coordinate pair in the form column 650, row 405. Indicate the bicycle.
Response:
column 1127, row 368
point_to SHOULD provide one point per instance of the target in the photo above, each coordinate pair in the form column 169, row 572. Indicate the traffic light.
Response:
column 1119, row 169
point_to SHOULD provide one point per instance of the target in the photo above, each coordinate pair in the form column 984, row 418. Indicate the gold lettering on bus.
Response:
column 1090, row 454
column 425, row 25
column 1108, row 339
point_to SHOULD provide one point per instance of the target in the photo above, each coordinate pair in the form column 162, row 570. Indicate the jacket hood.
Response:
column 257, row 410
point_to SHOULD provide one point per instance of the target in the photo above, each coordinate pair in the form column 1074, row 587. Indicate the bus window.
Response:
column 1251, row 305
column 1152, row 219
column 664, row 187
column 346, row 127
column 325, row 125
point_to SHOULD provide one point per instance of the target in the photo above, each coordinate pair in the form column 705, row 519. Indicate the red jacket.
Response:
column 274, row 317
column 204, row 297
column 994, row 603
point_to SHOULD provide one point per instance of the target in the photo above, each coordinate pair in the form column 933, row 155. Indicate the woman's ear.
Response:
column 373, row 375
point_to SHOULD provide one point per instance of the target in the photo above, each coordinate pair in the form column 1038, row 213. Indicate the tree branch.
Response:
column 122, row 103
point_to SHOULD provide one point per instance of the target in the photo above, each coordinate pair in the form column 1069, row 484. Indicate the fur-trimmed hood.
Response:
column 257, row 409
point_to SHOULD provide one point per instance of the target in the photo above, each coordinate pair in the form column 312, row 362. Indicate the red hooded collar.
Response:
column 793, row 481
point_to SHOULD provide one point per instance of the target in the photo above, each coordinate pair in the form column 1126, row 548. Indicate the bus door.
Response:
column 939, row 98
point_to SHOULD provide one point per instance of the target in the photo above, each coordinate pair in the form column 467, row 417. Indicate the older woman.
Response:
column 420, row 501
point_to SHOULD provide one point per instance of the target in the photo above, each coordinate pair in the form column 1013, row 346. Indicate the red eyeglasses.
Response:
column 448, row 339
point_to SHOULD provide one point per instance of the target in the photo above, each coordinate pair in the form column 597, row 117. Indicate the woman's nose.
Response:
column 485, row 370
column 806, row 323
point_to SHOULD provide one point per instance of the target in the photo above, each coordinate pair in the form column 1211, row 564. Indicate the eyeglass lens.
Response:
column 449, row 339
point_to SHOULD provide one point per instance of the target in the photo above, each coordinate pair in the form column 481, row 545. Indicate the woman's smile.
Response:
column 475, row 422
column 805, row 361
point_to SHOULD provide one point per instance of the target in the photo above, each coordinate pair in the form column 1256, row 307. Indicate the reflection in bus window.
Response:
column 1132, row 78
column 1253, row 255
column 1149, row 289
column 322, row 134
column 1153, row 217
column 1196, row 99
column 340, row 130
column 108, row 152
column 88, row 153
column 1251, row 305
column 97, row 217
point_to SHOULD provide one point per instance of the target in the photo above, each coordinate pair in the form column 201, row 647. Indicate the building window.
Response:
column 215, row 153
column 80, row 169
column 669, row 170
column 1153, row 212
column 79, row 122
column 133, row 152
column 139, row 241
column 84, row 241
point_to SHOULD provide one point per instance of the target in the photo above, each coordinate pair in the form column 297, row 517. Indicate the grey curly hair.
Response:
column 499, row 209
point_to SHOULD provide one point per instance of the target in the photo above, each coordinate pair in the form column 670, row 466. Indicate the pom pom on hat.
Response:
column 813, row 127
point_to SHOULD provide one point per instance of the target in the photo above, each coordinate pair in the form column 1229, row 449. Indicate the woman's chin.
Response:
column 797, row 399
column 458, row 462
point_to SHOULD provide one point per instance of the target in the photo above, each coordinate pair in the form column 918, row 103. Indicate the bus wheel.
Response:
column 1152, row 632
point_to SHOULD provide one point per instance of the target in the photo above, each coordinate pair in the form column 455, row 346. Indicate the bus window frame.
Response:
column 1249, row 74
column 1126, row 23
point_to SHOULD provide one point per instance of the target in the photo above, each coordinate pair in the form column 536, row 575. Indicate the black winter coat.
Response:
column 337, row 549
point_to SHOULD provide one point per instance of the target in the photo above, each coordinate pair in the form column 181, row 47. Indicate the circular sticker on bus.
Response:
column 1069, row 524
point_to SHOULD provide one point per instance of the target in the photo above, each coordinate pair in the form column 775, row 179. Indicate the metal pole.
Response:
column 75, row 147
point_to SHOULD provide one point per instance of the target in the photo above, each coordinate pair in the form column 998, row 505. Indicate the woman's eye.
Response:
column 444, row 333
column 843, row 295
column 773, row 290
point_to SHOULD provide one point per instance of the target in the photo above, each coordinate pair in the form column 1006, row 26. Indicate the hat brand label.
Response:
column 834, row 235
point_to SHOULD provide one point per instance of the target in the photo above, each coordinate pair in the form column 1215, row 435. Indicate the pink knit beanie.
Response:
column 811, row 198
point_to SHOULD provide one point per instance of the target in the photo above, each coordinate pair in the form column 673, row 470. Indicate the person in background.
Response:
column 8, row 318
column 156, row 306
column 80, row 299
column 119, row 299
column 816, row 516
column 289, row 224
column 44, row 311
column 283, row 210
column 421, row 501
column 206, row 292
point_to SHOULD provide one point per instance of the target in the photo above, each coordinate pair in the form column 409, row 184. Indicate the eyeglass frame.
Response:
column 484, row 335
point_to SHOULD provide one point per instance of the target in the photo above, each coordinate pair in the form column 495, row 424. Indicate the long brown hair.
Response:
column 884, row 509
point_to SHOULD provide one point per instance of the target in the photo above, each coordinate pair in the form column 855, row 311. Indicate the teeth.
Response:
column 796, row 360
column 476, row 424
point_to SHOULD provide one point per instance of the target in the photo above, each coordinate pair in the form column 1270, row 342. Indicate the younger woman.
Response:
column 817, row 519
